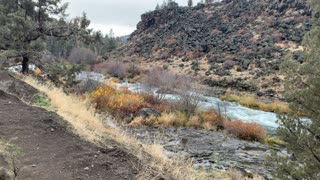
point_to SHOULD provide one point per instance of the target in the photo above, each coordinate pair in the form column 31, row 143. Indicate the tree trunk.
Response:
column 25, row 65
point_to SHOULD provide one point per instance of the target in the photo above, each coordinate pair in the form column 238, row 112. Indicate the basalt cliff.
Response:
column 237, row 44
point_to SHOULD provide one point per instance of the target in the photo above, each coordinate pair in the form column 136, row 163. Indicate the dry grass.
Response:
column 194, row 122
column 74, row 110
column 89, row 126
column 167, row 120
column 254, row 103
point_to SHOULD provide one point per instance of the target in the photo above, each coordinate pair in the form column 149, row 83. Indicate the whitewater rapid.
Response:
column 232, row 110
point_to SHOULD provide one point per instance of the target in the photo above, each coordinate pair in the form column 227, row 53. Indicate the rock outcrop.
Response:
column 235, row 42
column 210, row 149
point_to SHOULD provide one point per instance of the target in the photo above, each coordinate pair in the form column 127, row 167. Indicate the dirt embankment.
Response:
column 42, row 147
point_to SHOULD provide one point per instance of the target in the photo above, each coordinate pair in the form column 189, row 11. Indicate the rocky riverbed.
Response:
column 209, row 149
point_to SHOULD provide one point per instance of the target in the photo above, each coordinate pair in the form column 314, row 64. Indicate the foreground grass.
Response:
column 254, row 103
column 89, row 126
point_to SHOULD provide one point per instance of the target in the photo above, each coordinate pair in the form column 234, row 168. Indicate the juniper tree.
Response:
column 25, row 23
column 302, row 84
column 157, row 7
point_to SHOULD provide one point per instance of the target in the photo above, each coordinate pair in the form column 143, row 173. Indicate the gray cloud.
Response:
column 120, row 15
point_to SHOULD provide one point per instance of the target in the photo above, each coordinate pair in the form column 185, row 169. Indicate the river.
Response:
column 231, row 109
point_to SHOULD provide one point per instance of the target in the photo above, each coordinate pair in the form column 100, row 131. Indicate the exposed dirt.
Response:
column 48, row 150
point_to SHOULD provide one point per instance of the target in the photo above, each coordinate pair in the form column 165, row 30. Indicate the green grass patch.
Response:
column 41, row 101
column 273, row 140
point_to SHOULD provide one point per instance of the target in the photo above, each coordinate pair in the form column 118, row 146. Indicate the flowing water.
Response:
column 229, row 109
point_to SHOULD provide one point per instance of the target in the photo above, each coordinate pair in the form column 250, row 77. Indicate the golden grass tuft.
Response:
column 254, row 103
column 141, row 121
column 194, row 122
column 87, row 125
column 181, row 119
column 167, row 120
column 272, row 140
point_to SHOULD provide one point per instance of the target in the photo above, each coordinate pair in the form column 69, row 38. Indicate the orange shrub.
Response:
column 245, row 131
column 125, row 102
column 101, row 96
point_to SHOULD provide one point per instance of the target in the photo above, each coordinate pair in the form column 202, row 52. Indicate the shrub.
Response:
column 211, row 119
column 126, row 102
column 115, row 69
column 188, row 102
column 166, row 80
column 62, row 74
column 245, row 131
column 85, row 86
column 37, row 72
column 122, row 102
column 82, row 56
column 133, row 70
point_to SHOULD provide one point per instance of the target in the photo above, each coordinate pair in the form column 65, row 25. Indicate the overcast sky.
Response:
column 120, row 15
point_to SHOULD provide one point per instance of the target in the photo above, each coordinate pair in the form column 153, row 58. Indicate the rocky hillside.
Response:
column 233, row 43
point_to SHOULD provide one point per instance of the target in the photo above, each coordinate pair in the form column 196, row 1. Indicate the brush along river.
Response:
column 230, row 109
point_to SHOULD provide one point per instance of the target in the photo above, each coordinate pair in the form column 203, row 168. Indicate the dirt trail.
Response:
column 49, row 151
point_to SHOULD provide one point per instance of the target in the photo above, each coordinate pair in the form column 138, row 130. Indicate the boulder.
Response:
column 147, row 112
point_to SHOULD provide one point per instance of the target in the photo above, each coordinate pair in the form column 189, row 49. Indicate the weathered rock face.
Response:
column 209, row 149
column 233, row 39
column 14, row 86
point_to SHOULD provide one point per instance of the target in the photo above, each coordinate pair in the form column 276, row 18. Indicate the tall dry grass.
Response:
column 254, row 103
column 87, row 125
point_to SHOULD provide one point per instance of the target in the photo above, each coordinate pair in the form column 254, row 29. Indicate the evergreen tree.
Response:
column 25, row 23
column 190, row 3
column 157, row 7
column 303, row 93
